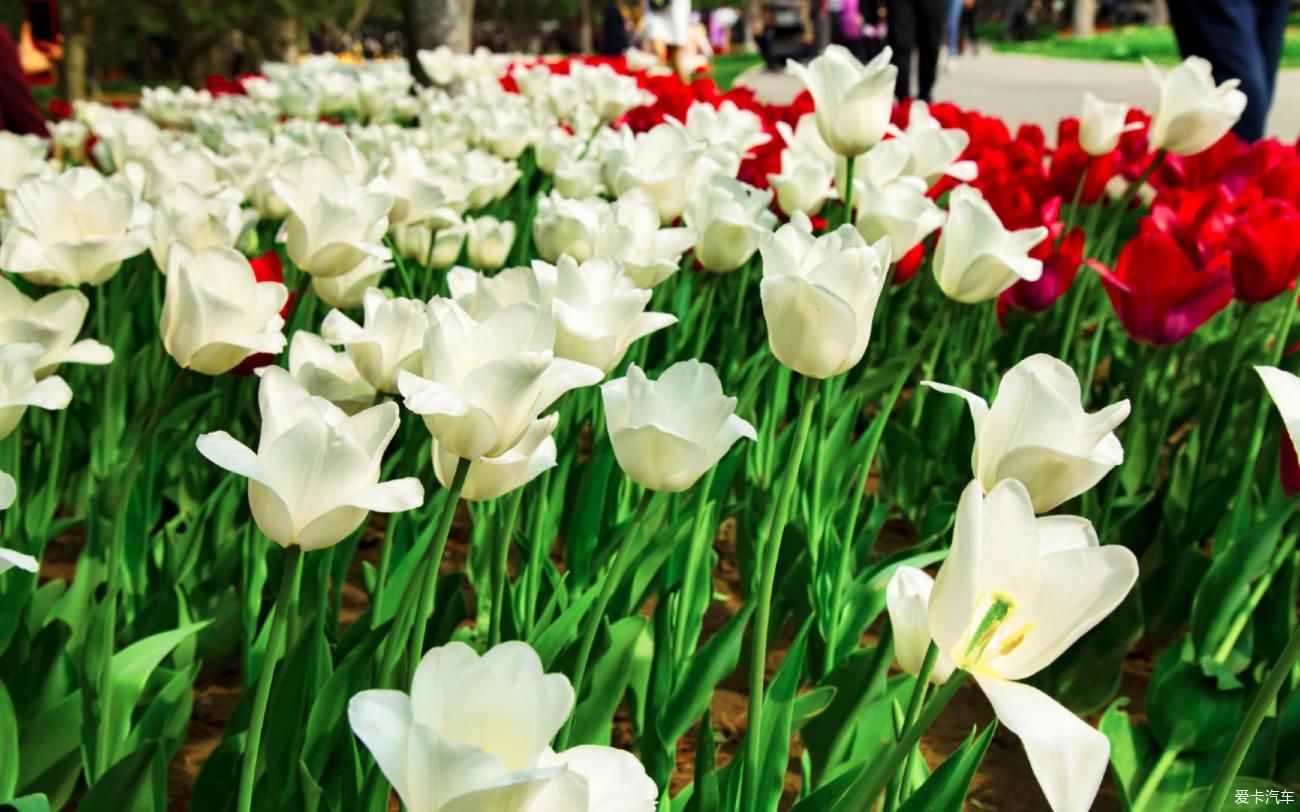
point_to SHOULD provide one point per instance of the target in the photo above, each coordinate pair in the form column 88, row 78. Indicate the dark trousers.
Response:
column 916, row 24
column 1242, row 39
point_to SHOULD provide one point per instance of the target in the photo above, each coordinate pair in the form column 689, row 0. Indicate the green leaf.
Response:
column 945, row 790
column 1187, row 711
column 778, row 719
column 706, row 796
column 564, row 629
column 131, row 668
column 27, row 803
column 609, row 678
column 120, row 788
column 8, row 745
column 710, row 665
column 810, row 705
column 328, row 716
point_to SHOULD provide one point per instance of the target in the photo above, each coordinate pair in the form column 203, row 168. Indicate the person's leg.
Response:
column 953, row 26
column 929, row 35
column 1225, row 33
column 968, row 27
column 1270, row 25
column 902, row 33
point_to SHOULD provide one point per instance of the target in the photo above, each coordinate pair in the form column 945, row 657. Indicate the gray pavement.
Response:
column 1041, row 90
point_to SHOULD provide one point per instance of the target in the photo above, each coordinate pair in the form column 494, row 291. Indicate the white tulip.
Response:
column 315, row 476
column 660, row 162
column 599, row 311
column 215, row 313
column 19, row 387
column 578, row 178
column 899, row 210
column 1037, row 432
column 123, row 136
column 631, row 235
column 178, row 165
column 334, row 225
column 53, row 322
column 1101, row 124
column 439, row 65
column 729, row 217
column 725, row 127
column 978, row 257
column 1013, row 594
column 803, row 184
column 1192, row 113
column 608, row 93
column 21, row 157
column 597, row 779
column 1284, row 389
column 388, row 343
column 413, row 242
column 490, row 477
column 485, row 382
column 327, row 373
column 489, row 241
column 200, row 221
column 569, row 226
column 853, row 101
column 667, row 433
column 348, row 291
column 819, row 295
column 481, row 295
column 10, row 559
column 933, row 151
column 73, row 229
column 420, row 193
column 69, row 137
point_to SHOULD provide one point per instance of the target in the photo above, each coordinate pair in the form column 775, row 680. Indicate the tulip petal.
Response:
column 8, row 491
column 50, row 393
column 1068, row 756
column 226, row 452
column 1284, row 389
column 12, row 558
column 393, row 496
column 382, row 720
column 908, row 600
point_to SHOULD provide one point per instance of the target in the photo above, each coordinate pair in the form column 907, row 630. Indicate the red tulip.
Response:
column 1288, row 465
column 1060, row 265
column 266, row 268
column 1159, row 294
column 1265, row 252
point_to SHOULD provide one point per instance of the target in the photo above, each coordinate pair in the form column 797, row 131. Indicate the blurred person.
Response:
column 1242, row 39
column 615, row 32
column 697, row 52
column 19, row 112
column 848, row 28
column 916, row 24
column 668, row 23
column 721, row 21
column 960, row 29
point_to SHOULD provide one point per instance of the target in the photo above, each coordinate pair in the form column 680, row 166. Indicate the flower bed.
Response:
column 471, row 438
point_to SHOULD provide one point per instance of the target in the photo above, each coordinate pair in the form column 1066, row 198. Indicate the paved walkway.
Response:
column 1042, row 90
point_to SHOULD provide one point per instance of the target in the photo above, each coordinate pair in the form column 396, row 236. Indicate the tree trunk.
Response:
column 1159, row 13
column 751, row 17
column 76, row 56
column 430, row 23
column 1085, row 16
column 585, row 39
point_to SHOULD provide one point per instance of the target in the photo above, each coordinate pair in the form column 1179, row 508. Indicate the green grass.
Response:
column 729, row 66
column 1128, row 44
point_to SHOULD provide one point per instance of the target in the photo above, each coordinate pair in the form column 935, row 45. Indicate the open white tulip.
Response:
column 215, row 313
column 597, row 779
column 490, row 477
column 21, row 157
column 667, row 433
column 73, row 229
column 1101, row 124
column 200, row 221
column 599, row 311
column 729, row 217
column 12, row 558
column 631, row 235
column 1192, row 113
column 1038, row 433
column 1013, row 594
column 471, row 734
column 52, row 321
column 899, row 210
column 420, row 193
column 852, row 101
column 315, row 476
column 819, row 295
column 932, row 150
column 489, row 242
column 1284, row 389
column 608, row 93
column 660, row 162
column 388, row 344
column 328, row 373
column 978, row 257
column 484, row 383
column 481, row 295
column 334, row 225
column 19, row 387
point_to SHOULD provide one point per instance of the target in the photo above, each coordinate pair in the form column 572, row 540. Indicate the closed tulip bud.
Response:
column 1013, row 594
column 73, row 229
column 485, row 382
column 387, row 344
column 900, row 210
column 667, row 433
column 1192, row 113
column 568, row 226
column 327, row 373
column 1101, row 124
column 215, row 313
column 729, row 217
column 490, row 477
column 19, row 387
column 819, row 295
column 315, row 475
column 852, row 101
column 489, row 242
column 803, row 184
column 53, row 322
column 599, row 311
column 978, row 257
column 199, row 221
column 1037, row 432
column 334, row 224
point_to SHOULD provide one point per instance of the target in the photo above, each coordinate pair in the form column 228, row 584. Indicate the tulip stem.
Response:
column 618, row 566
column 1112, row 229
column 1250, row 726
column 541, row 545
column 771, row 553
column 896, row 792
column 702, row 534
column 285, row 605
column 432, row 564
column 1149, row 784
column 1252, row 603
column 501, row 564
column 848, row 190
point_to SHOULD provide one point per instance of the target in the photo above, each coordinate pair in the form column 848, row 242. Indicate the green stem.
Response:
column 897, row 790
column 701, row 542
column 771, row 552
column 1254, row 718
column 1225, row 386
column 848, row 191
column 1149, row 784
column 537, row 554
column 1256, row 595
column 618, row 567
column 285, row 605
column 880, row 659
column 1112, row 229
column 500, row 565
column 432, row 564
